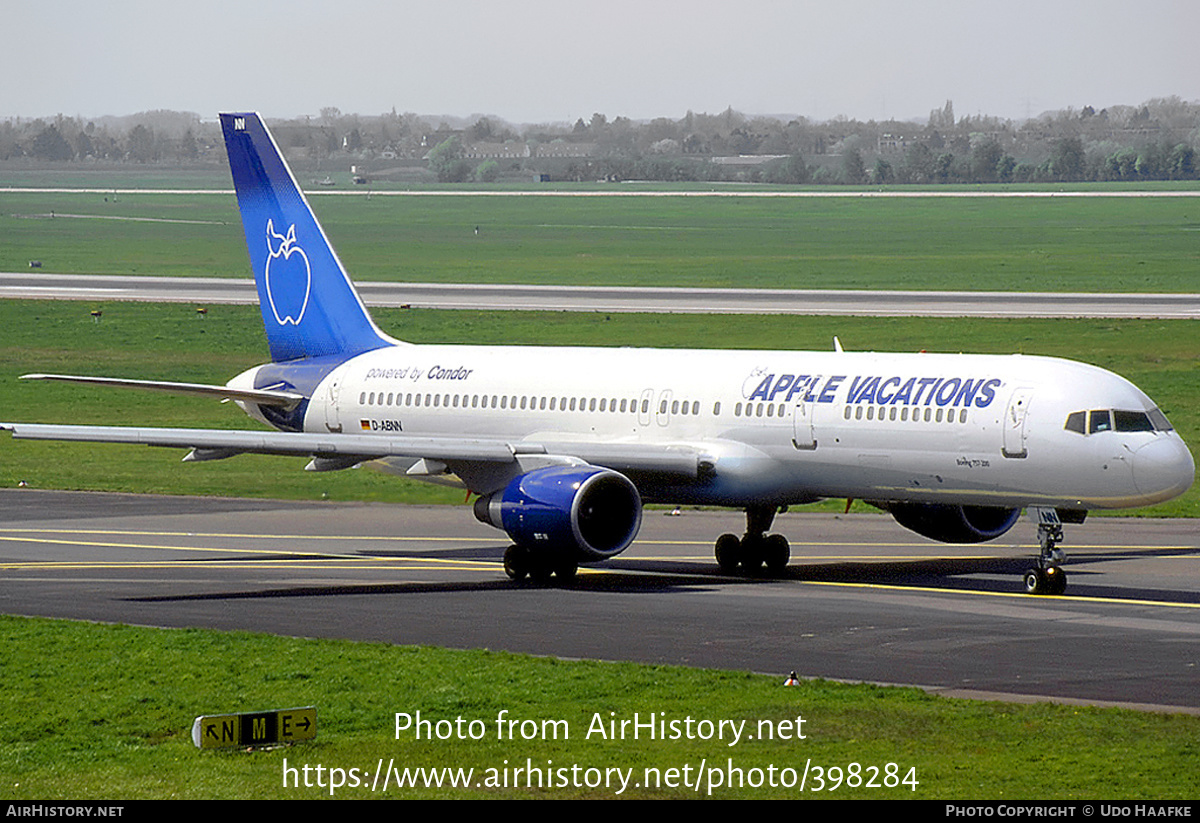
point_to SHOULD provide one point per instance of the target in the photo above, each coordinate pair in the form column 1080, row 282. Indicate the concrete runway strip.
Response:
column 205, row 290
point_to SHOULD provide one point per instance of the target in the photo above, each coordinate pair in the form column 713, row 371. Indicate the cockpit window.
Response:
column 1122, row 420
column 1132, row 421
column 1160, row 421
column 1076, row 422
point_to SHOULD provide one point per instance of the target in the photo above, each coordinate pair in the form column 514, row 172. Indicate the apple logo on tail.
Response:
column 288, row 276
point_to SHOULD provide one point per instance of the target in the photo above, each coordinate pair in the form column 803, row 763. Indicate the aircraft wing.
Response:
column 211, row 444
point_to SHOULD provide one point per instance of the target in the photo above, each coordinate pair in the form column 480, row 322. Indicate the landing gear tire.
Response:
column 566, row 570
column 516, row 562
column 1050, row 580
column 777, row 553
column 728, row 550
column 1034, row 582
column 541, row 573
column 1057, row 580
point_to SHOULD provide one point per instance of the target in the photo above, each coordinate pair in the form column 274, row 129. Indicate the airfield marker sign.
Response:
column 255, row 728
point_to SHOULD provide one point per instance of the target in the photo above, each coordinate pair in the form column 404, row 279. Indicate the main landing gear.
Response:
column 539, row 565
column 1048, row 577
column 755, row 548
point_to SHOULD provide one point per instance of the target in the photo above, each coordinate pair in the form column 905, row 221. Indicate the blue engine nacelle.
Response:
column 592, row 513
column 954, row 524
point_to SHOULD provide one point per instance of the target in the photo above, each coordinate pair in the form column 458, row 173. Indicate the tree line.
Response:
column 1156, row 140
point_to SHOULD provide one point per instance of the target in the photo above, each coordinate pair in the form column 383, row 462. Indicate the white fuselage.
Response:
column 781, row 427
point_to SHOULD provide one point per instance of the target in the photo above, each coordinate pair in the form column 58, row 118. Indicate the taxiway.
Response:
column 864, row 600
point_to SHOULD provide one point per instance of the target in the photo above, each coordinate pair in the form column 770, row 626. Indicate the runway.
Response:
column 632, row 192
column 205, row 290
column 864, row 599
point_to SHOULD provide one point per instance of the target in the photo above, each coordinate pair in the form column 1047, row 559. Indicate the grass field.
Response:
column 170, row 342
column 1028, row 244
column 1133, row 244
column 24, row 174
column 106, row 711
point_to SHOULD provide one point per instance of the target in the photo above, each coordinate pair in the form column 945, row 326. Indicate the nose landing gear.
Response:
column 1048, row 577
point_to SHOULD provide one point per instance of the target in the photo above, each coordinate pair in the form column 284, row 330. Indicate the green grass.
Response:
column 104, row 712
column 1060, row 244
column 169, row 342
column 24, row 174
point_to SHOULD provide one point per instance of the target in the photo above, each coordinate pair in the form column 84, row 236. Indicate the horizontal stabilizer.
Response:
column 263, row 397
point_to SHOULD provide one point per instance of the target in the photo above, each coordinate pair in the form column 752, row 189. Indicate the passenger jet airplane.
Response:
column 563, row 446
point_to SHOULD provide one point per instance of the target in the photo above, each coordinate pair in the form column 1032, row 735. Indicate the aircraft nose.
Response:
column 1163, row 468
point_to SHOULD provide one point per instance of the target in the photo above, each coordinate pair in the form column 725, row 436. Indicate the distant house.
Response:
column 561, row 148
column 892, row 143
column 510, row 150
column 747, row 159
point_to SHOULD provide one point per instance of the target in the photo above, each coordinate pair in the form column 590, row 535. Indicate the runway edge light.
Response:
column 255, row 728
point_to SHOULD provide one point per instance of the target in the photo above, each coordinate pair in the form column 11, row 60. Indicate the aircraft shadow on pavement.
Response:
column 994, row 574
column 631, row 575
column 624, row 583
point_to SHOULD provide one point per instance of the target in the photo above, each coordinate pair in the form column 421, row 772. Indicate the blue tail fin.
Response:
column 309, row 307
